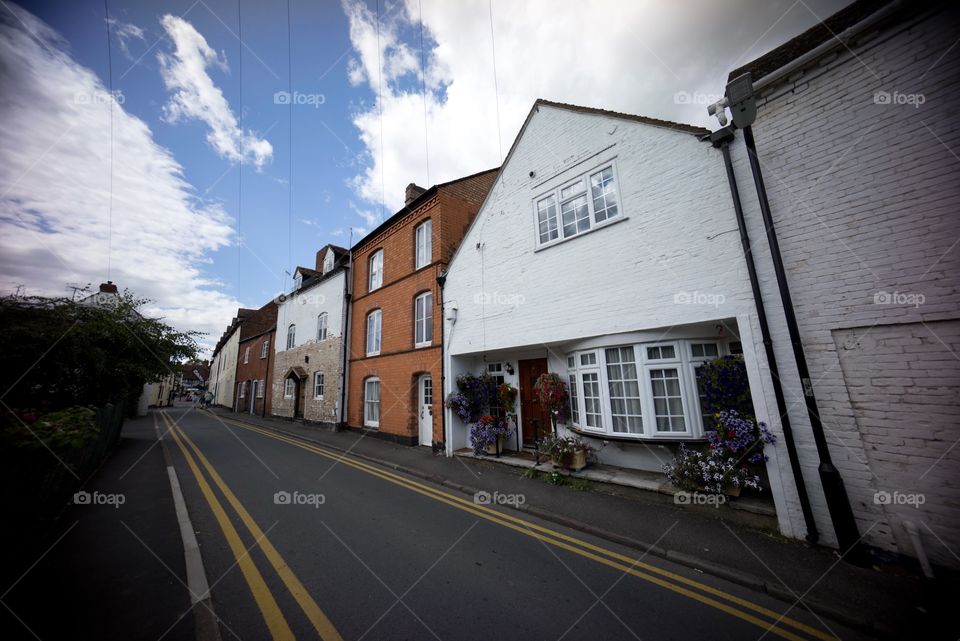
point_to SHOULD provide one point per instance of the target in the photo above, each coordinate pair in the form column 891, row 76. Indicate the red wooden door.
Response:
column 534, row 420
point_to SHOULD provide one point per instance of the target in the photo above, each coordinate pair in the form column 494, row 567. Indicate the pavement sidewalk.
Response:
column 886, row 601
column 114, row 569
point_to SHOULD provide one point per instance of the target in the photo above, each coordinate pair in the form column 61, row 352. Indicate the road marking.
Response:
column 276, row 623
column 572, row 544
column 321, row 623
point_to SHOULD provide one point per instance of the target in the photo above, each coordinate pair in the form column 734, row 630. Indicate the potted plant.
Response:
column 487, row 434
column 552, row 392
column 568, row 452
column 730, row 461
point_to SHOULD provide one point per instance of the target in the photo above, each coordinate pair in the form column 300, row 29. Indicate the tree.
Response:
column 59, row 353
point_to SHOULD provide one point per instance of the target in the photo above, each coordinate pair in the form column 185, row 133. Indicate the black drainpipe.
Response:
column 344, row 337
column 441, row 280
column 722, row 139
column 844, row 523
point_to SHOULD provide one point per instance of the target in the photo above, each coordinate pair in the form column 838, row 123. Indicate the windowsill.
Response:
column 596, row 227
column 318, row 398
column 369, row 354
column 422, row 345
column 642, row 438
column 372, row 427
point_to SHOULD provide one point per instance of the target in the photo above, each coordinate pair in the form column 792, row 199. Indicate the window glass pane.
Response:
column 667, row 400
column 661, row 352
column 376, row 269
column 704, row 350
column 604, row 194
column 572, row 190
column 373, row 332
column 424, row 243
column 591, row 400
column 624, row 390
column 574, row 404
column 576, row 216
column 588, row 359
column 709, row 422
column 736, row 347
column 547, row 219
column 372, row 401
column 571, row 362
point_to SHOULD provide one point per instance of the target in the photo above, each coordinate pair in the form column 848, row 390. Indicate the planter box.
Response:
column 494, row 449
column 575, row 461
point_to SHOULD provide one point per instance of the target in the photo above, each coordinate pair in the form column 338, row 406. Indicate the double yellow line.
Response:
column 733, row 605
column 272, row 615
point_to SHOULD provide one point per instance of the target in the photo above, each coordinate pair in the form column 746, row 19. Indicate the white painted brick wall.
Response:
column 302, row 308
column 865, row 199
column 680, row 235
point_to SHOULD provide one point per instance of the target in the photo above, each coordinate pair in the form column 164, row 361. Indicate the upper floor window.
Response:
column 424, row 244
column 376, row 270
column 297, row 281
column 291, row 336
column 260, row 387
column 423, row 319
column 322, row 327
column 374, row 319
column 328, row 261
column 264, row 348
column 246, row 355
column 576, row 206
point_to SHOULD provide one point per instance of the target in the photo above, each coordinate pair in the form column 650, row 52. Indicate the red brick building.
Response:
column 395, row 360
column 255, row 362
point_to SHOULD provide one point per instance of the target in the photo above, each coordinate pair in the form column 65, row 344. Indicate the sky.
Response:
column 241, row 137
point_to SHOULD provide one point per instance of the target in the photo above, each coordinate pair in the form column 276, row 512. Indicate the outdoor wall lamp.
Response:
column 509, row 368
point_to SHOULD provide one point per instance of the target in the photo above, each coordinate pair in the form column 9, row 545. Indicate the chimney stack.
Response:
column 413, row 191
column 108, row 288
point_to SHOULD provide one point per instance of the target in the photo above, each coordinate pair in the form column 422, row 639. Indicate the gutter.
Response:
column 441, row 280
column 722, row 138
column 344, row 339
column 840, row 40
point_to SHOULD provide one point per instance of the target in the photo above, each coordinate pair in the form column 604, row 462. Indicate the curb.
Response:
column 726, row 573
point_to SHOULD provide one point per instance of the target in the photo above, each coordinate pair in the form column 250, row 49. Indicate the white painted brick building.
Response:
column 665, row 270
column 864, row 192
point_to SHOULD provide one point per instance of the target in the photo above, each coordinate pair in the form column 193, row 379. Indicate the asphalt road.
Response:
column 299, row 542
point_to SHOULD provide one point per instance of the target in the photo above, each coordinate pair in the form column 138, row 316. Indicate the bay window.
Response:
column 641, row 391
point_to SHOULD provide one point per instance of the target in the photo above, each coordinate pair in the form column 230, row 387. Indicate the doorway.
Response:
column 534, row 419
column 425, row 396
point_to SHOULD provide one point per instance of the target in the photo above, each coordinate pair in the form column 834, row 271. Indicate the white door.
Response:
column 426, row 410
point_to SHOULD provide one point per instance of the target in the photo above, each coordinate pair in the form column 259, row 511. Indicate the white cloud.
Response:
column 54, row 190
column 125, row 32
column 633, row 57
column 196, row 96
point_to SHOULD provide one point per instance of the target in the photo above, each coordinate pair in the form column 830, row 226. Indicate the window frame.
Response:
column 378, row 314
column 291, row 335
column 263, row 383
column 555, row 195
column 375, row 258
column 243, row 389
column 322, row 326
column 425, row 323
column 265, row 349
column 318, row 384
column 367, row 421
column 426, row 227
column 289, row 383
column 682, row 361
column 246, row 354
